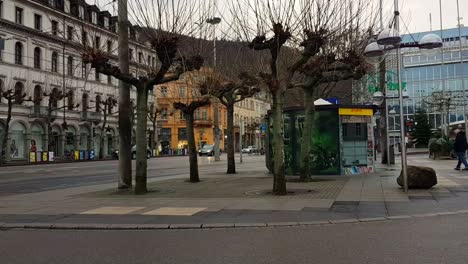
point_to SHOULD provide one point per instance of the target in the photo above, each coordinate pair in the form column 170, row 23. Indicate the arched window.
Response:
column 84, row 102
column 19, row 53
column 71, row 100
column 37, row 57
column 98, row 103
column 54, row 98
column 19, row 93
column 54, row 62
column 37, row 95
column 70, row 65
column 1, row 89
column 110, row 107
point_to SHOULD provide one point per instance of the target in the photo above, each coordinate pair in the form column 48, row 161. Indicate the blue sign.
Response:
column 91, row 155
column 263, row 127
column 332, row 100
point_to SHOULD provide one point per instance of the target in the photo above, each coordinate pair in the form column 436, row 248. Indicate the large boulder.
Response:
column 419, row 177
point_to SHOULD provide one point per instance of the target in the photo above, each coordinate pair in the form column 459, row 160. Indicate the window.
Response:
column 37, row 57
column 19, row 93
column 84, row 71
column 70, row 65
column 140, row 57
column 19, row 53
column 53, row 3
column 1, row 9
column 93, row 17
column 109, row 79
column 181, row 115
column 84, row 102
column 98, row 103
column 54, row 62
column 84, row 38
column 71, row 100
column 204, row 114
column 196, row 114
column 54, row 27
column 37, row 95
column 164, row 113
column 81, row 12
column 97, row 42
column 110, row 106
column 164, row 91
column 109, row 46
column 1, row 89
column 106, row 22
column 149, row 60
column 97, row 76
column 37, row 22
column 19, row 15
column 70, row 32
column 182, row 91
column 130, row 54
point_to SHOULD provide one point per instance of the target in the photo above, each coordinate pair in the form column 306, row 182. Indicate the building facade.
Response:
column 172, row 123
column 431, row 83
column 250, row 114
column 40, row 44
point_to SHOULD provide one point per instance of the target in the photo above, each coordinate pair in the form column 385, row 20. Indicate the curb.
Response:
column 71, row 226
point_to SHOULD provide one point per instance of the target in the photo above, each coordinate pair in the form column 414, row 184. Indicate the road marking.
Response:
column 113, row 210
column 181, row 211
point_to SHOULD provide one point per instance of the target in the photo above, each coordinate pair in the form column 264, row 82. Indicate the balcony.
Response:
column 202, row 122
column 90, row 116
column 38, row 111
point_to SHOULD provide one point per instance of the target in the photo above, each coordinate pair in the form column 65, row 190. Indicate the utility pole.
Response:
column 214, row 21
column 125, row 127
column 444, row 114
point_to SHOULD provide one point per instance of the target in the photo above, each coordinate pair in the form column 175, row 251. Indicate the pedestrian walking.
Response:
column 460, row 147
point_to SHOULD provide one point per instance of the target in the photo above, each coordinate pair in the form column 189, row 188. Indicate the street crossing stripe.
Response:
column 178, row 211
column 113, row 210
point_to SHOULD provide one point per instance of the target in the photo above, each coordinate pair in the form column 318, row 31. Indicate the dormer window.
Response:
column 93, row 17
column 81, row 12
column 106, row 22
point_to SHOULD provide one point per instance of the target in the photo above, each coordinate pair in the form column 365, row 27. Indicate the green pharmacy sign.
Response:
column 373, row 81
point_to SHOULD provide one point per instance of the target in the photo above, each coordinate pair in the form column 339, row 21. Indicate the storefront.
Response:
column 18, row 142
column 342, row 140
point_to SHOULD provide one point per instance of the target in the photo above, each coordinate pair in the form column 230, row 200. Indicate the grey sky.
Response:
column 415, row 14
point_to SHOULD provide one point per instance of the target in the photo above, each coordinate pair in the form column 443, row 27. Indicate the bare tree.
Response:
column 160, row 24
column 298, row 29
column 13, row 96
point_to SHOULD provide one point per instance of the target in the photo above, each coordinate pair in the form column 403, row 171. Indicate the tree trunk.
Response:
column 103, row 133
column 141, row 142
column 193, row 159
column 125, row 129
column 231, row 163
column 3, row 151
column 306, row 145
column 279, row 182
column 216, row 130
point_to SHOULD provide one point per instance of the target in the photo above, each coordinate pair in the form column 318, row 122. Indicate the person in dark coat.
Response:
column 460, row 148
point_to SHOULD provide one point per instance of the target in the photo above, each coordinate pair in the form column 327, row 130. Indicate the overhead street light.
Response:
column 390, row 39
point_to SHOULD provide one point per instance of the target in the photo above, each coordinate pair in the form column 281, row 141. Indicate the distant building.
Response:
column 42, row 39
column 424, row 76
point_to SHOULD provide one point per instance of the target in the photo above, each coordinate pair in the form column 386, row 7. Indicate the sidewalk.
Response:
column 241, row 200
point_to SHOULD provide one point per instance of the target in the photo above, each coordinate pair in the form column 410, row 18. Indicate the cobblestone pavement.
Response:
column 243, row 199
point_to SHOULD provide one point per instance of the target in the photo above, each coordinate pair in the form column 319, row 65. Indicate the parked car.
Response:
column 115, row 155
column 207, row 150
column 249, row 149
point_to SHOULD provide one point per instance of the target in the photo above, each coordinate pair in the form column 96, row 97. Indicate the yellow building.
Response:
column 172, row 122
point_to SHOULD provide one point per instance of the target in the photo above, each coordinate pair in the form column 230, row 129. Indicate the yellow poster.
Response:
column 355, row 112
column 77, row 155
column 32, row 156
column 44, row 156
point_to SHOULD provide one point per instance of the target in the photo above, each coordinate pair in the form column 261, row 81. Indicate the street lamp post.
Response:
column 461, row 67
column 390, row 39
column 214, row 21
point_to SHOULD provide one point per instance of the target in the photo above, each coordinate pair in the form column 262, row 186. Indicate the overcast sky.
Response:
column 415, row 14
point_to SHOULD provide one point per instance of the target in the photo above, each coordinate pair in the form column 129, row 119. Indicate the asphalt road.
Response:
column 37, row 178
column 429, row 240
